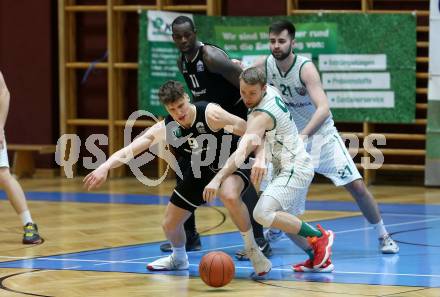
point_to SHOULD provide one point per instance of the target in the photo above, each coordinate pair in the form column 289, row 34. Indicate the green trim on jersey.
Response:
column 282, row 143
column 291, row 173
column 299, row 74
column 270, row 114
column 265, row 66
column 342, row 148
column 288, row 70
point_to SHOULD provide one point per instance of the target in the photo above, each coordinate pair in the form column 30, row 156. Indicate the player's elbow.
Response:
column 240, row 128
column 324, row 110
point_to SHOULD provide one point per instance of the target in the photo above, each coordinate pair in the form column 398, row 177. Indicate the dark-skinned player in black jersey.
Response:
column 212, row 76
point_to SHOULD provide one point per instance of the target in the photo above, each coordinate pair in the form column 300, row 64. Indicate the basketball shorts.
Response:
column 188, row 193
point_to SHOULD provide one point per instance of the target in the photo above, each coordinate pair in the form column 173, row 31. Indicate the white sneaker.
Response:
column 168, row 263
column 387, row 245
column 261, row 264
column 273, row 235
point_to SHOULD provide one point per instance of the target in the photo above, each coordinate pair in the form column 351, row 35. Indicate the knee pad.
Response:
column 264, row 216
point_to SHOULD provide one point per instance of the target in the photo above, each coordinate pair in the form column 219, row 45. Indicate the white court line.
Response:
column 409, row 215
column 339, row 232
column 131, row 261
column 347, row 272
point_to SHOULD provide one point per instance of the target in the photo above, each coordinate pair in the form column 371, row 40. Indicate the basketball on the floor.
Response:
column 216, row 269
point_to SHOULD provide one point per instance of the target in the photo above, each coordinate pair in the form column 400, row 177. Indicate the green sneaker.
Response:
column 31, row 235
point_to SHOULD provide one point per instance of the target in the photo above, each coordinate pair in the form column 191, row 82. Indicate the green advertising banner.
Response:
column 367, row 61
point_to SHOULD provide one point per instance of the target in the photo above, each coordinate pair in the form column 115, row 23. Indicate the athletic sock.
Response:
column 180, row 254
column 380, row 228
column 25, row 217
column 248, row 238
column 308, row 230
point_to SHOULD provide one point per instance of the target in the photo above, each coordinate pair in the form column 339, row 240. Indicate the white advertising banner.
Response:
column 352, row 62
column 159, row 24
column 361, row 99
column 356, row 80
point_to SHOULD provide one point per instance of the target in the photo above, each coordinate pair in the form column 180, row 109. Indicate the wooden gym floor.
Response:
column 97, row 244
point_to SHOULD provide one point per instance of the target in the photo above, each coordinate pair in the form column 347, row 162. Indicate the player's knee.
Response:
column 229, row 197
column 5, row 176
column 168, row 226
column 263, row 216
column 358, row 188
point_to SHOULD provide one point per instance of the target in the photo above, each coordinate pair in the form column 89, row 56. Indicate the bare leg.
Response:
column 173, row 224
column 230, row 196
column 13, row 190
column 365, row 200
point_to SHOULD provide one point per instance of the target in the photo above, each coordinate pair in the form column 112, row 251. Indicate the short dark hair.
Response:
column 182, row 20
column 279, row 26
column 253, row 76
column 170, row 92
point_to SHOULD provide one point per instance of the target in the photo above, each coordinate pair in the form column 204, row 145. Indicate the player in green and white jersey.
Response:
column 299, row 82
column 284, row 198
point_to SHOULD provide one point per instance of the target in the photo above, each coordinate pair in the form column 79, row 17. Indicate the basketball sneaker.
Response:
column 261, row 264
column 264, row 246
column 192, row 244
column 307, row 266
column 168, row 264
column 322, row 246
column 387, row 245
column 31, row 235
column 273, row 235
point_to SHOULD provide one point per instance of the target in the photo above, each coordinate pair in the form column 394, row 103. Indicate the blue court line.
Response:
column 355, row 255
column 428, row 209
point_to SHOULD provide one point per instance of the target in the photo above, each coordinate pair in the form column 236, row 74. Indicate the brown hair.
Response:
column 170, row 92
column 253, row 76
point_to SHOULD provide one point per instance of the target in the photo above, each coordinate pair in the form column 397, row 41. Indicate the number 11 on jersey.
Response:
column 194, row 81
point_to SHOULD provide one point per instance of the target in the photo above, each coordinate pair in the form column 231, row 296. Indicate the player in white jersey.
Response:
column 299, row 82
column 8, row 183
column 284, row 198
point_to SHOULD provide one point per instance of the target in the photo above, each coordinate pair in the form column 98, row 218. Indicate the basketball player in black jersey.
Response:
column 211, row 76
column 198, row 132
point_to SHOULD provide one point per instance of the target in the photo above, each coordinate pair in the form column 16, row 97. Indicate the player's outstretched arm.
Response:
column 259, row 168
column 256, row 127
column 98, row 176
column 218, row 118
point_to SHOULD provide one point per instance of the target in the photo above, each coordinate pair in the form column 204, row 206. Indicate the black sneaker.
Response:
column 31, row 235
column 264, row 246
column 192, row 244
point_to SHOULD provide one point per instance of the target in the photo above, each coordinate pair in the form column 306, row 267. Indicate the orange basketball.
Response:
column 216, row 269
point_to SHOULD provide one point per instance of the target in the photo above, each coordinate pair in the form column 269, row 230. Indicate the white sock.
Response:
column 25, row 217
column 380, row 228
column 180, row 253
column 248, row 238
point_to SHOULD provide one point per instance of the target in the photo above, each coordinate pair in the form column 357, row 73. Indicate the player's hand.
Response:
column 96, row 178
column 258, row 172
column 211, row 189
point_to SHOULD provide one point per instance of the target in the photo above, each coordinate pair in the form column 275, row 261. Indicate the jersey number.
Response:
column 282, row 105
column 193, row 143
column 345, row 172
column 194, row 81
column 285, row 90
